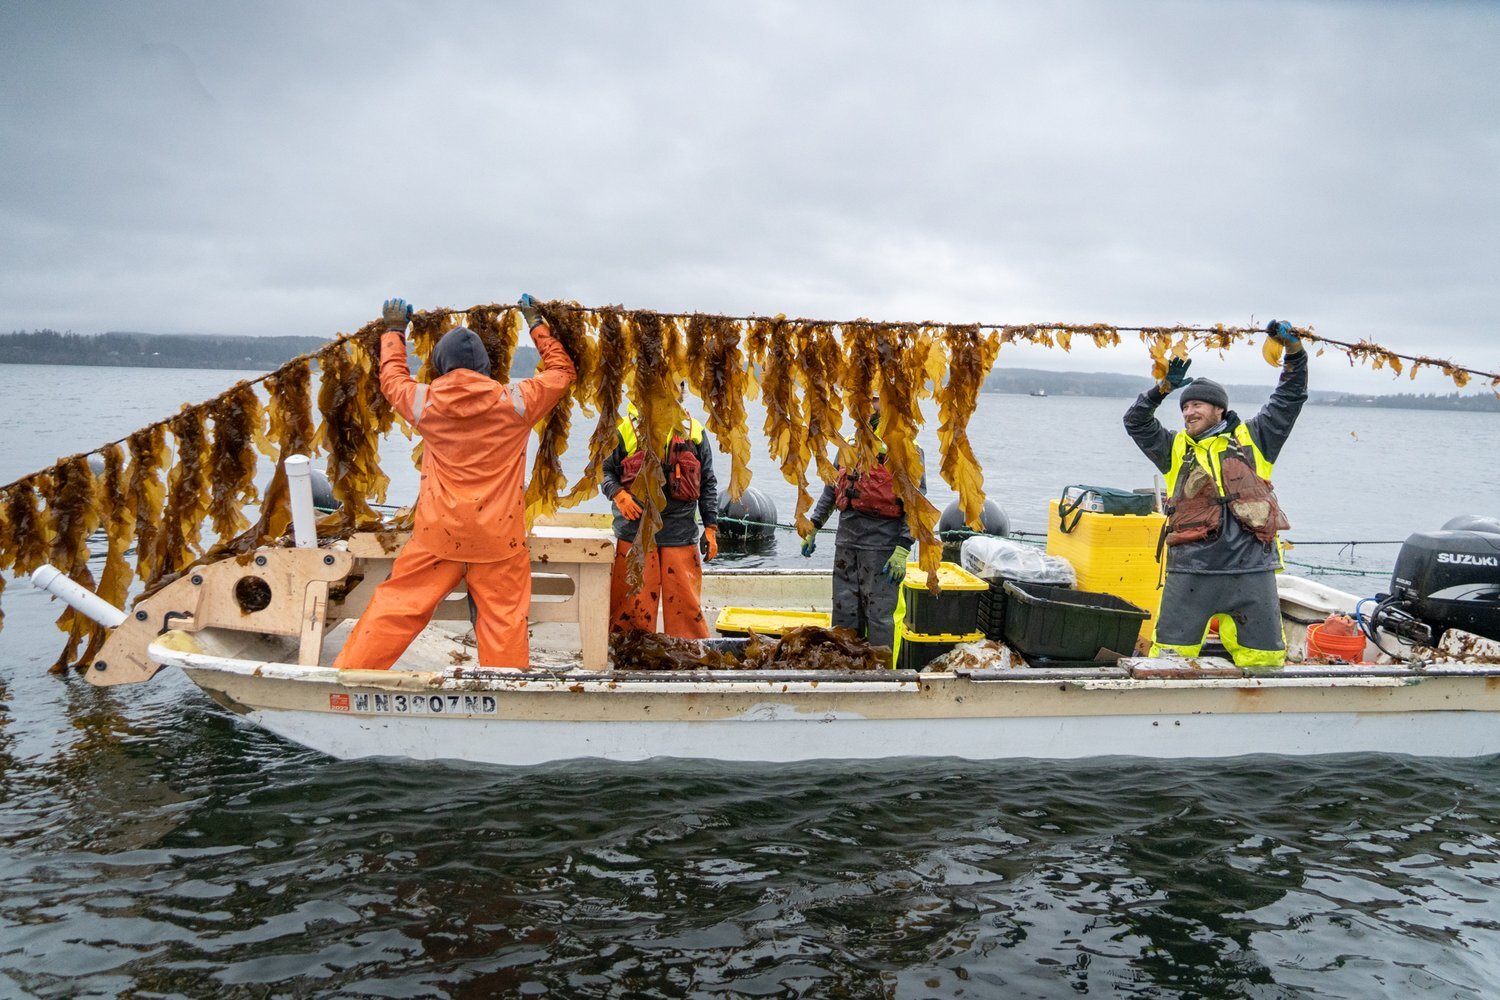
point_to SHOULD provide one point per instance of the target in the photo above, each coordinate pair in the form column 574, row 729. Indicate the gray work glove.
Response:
column 397, row 313
column 530, row 311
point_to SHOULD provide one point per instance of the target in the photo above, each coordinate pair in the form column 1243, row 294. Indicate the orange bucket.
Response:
column 1349, row 648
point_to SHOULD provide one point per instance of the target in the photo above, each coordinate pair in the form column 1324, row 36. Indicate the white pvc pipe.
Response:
column 85, row 602
column 299, row 483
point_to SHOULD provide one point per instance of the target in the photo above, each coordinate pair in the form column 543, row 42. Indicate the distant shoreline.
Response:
column 185, row 351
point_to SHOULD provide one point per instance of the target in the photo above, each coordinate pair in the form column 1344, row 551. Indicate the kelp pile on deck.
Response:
column 806, row 647
column 814, row 378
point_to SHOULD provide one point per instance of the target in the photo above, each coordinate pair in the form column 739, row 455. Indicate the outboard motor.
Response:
column 1446, row 579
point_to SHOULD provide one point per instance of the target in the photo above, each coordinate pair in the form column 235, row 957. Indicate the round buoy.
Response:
column 322, row 490
column 747, row 523
column 952, row 528
column 1474, row 522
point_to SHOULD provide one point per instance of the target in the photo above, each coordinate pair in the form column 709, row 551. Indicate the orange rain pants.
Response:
column 673, row 580
column 419, row 580
column 470, row 520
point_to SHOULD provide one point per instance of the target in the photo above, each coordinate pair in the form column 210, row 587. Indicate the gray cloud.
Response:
column 283, row 168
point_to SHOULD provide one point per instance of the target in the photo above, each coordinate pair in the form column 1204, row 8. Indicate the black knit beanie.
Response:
column 1206, row 390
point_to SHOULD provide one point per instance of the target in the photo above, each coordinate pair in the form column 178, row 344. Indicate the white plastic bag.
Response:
column 992, row 558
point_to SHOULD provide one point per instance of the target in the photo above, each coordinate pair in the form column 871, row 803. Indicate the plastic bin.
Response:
column 991, row 619
column 916, row 650
column 955, row 611
column 734, row 623
column 1113, row 554
column 1069, row 625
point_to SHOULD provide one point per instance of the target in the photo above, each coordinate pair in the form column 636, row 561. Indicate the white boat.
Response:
column 259, row 632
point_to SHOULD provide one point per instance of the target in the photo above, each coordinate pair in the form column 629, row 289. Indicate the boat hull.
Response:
column 519, row 720
column 521, row 743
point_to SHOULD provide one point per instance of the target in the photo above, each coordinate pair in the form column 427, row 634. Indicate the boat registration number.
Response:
column 414, row 704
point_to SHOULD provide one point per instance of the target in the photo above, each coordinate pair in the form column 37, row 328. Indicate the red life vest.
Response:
column 684, row 470
column 872, row 493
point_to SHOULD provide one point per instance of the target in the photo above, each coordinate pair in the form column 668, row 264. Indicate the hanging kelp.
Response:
column 119, row 530
column 720, row 375
column 187, row 495
column 290, row 429
column 496, row 327
column 355, row 416
column 903, row 368
column 812, row 377
column 615, row 354
column 969, row 356
column 657, row 412
column 425, row 331
column 861, row 386
column 25, row 536
column 820, row 372
column 776, row 346
column 237, row 418
column 547, row 481
column 146, row 495
column 73, row 506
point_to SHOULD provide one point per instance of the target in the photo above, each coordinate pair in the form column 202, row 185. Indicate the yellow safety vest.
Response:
column 1209, row 454
column 627, row 434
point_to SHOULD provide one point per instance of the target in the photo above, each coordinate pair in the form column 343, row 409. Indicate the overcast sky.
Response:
column 282, row 168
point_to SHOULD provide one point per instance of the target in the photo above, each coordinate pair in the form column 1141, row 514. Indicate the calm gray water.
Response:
column 151, row 845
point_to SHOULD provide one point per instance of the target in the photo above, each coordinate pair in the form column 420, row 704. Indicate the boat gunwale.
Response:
column 540, row 680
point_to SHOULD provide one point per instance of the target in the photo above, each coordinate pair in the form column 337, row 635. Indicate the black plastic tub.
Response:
column 1069, row 625
column 918, row 650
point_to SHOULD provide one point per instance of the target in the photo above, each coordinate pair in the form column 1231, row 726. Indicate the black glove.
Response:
column 1177, row 375
column 397, row 314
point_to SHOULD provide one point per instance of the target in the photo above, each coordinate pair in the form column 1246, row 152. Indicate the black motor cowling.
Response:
column 1451, row 579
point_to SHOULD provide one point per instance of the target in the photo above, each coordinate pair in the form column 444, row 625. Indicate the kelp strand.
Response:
column 232, row 463
column 656, row 404
column 607, row 393
column 73, row 506
column 970, row 355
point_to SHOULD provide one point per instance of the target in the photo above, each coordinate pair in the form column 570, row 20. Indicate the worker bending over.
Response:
column 871, row 548
column 469, row 523
column 1222, row 515
column 673, row 578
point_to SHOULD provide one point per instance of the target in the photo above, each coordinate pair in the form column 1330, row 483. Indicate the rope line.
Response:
column 1037, row 537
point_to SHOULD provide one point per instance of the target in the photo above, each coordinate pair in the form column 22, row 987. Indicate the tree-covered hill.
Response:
column 155, row 350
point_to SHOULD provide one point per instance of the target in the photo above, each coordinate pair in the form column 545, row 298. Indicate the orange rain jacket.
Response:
column 470, row 507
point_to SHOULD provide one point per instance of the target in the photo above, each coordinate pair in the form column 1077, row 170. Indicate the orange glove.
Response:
column 711, row 540
column 629, row 509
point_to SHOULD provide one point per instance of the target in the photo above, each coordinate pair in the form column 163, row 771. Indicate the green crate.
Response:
column 1061, row 624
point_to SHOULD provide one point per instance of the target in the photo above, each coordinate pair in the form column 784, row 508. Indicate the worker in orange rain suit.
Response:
column 470, row 522
column 674, row 577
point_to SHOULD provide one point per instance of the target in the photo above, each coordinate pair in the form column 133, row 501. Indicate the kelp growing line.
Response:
column 156, row 490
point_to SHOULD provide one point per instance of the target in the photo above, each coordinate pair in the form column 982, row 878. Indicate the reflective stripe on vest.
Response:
column 418, row 402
